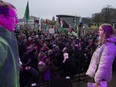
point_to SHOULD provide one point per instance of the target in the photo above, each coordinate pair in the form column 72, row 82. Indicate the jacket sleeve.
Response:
column 105, row 63
column 3, row 54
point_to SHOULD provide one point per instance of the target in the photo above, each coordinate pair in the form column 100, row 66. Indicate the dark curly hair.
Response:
column 4, row 8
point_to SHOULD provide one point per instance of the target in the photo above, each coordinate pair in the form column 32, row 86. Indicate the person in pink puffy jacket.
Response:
column 100, row 67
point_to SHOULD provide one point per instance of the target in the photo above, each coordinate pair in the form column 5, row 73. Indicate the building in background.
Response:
column 72, row 20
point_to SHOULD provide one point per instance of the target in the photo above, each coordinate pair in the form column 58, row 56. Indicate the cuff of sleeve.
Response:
column 97, row 80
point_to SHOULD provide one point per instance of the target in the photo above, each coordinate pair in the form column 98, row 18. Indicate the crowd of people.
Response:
column 35, row 56
column 44, row 56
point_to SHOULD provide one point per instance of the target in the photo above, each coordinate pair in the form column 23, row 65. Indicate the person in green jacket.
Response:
column 9, row 55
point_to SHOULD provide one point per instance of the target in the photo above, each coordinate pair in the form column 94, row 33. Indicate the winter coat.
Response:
column 9, row 59
column 102, row 59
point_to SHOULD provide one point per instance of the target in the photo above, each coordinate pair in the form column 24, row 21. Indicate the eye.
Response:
column 100, row 30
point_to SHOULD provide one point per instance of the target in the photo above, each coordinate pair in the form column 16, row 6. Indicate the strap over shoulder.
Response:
column 3, row 41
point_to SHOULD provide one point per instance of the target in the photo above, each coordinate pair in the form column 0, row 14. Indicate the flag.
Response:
column 47, row 22
column 26, row 15
column 63, row 24
column 40, row 23
column 80, row 20
column 65, row 30
column 74, row 34
column 76, row 24
column 76, row 28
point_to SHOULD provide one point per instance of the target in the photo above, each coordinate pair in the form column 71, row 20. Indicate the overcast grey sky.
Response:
column 49, row 8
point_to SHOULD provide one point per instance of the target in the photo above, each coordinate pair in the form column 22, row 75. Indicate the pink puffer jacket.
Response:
column 108, row 54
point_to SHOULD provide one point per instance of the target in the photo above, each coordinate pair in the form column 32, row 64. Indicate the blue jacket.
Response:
column 9, row 59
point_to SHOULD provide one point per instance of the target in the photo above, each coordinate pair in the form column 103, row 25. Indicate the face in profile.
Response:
column 12, row 20
column 101, row 32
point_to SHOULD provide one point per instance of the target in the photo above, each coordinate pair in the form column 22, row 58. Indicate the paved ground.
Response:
column 79, row 83
column 76, row 82
column 113, row 81
column 83, row 83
